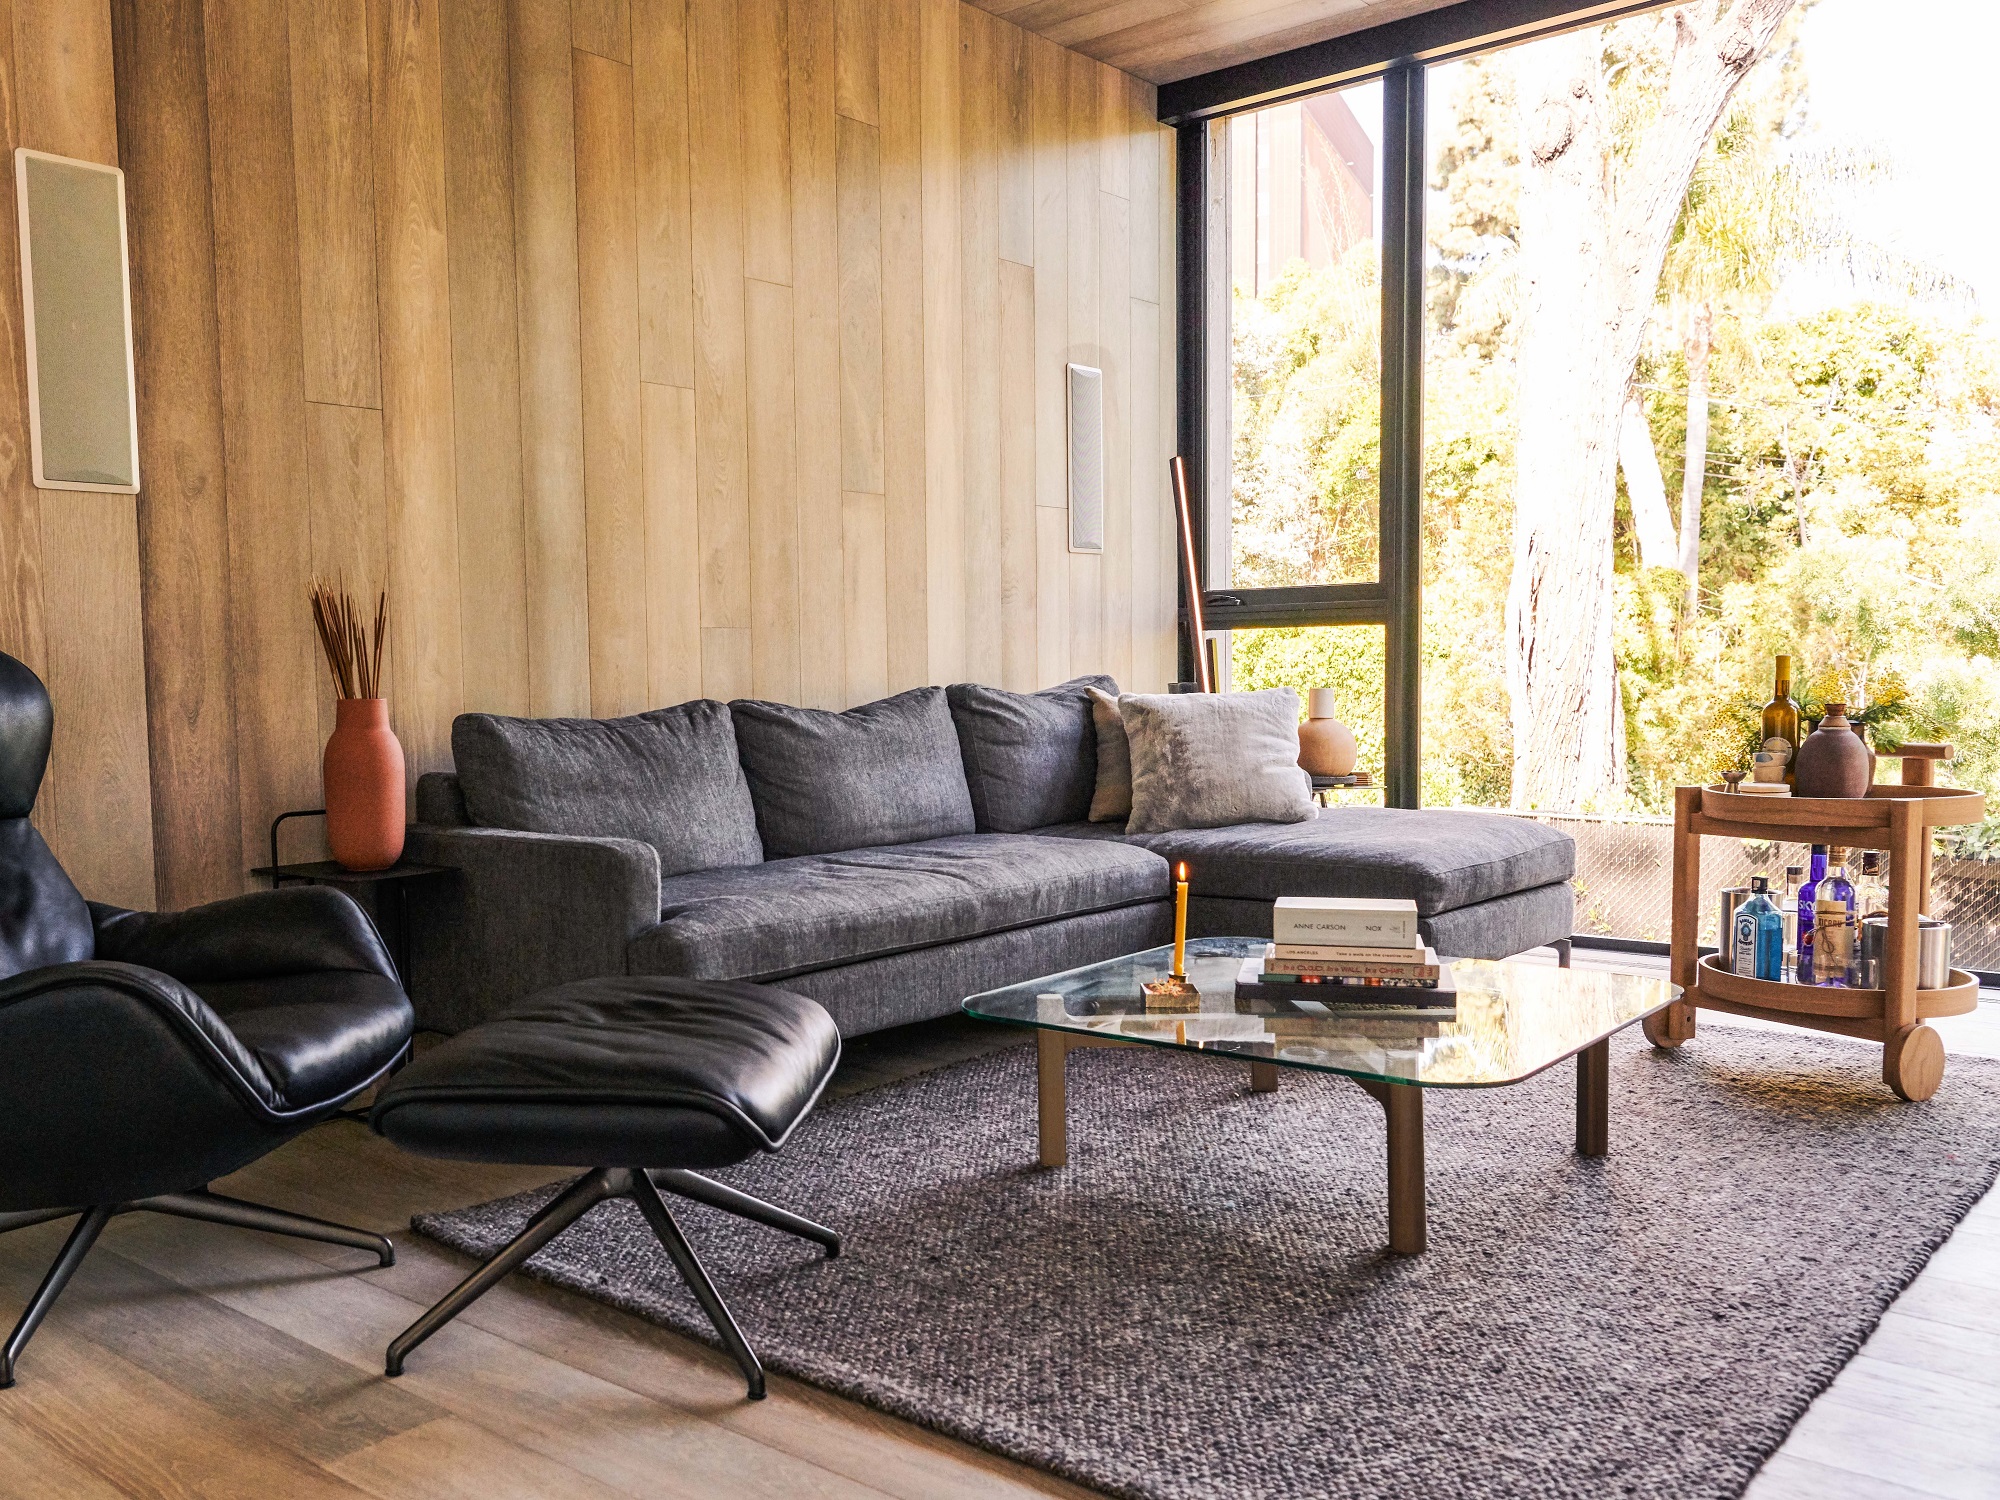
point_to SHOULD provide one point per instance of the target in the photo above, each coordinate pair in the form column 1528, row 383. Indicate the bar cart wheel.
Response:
column 1667, row 1029
column 1913, row 1063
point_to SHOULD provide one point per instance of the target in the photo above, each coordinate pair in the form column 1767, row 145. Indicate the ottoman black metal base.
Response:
column 643, row 1188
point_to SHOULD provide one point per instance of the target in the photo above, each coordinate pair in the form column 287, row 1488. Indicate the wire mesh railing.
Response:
column 1624, row 882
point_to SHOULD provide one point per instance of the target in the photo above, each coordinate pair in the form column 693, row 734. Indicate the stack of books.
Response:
column 1346, row 957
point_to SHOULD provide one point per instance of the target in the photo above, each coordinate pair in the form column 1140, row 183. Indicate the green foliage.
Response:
column 1852, row 479
column 1307, row 455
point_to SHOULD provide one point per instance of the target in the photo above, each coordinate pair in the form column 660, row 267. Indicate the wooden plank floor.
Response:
column 190, row 1360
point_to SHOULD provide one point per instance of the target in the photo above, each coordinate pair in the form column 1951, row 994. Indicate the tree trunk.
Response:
column 1590, row 263
column 1563, row 682
column 1695, row 474
column 1658, row 545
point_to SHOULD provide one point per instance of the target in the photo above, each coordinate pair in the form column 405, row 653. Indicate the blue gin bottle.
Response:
column 1808, row 893
column 1759, row 945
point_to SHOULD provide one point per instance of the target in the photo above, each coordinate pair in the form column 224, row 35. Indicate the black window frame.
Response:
column 1400, row 55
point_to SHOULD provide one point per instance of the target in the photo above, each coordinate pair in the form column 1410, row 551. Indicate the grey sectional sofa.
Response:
column 887, row 861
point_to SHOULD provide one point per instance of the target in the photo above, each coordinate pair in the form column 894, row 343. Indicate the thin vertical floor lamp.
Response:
column 1190, row 578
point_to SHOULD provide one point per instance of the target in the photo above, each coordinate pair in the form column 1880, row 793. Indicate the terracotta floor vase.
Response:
column 363, row 770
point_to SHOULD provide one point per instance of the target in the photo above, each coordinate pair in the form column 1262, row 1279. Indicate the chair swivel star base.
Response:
column 202, row 1204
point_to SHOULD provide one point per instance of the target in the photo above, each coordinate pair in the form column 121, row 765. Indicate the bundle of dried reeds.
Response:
column 355, row 663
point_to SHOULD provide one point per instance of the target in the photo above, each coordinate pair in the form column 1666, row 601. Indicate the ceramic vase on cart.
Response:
column 1833, row 760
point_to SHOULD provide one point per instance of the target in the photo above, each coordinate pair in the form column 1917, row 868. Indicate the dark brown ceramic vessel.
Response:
column 1833, row 761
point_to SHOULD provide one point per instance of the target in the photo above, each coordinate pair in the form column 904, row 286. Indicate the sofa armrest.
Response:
column 525, row 911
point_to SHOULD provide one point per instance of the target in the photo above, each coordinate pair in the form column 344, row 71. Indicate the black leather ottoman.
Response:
column 641, row 1079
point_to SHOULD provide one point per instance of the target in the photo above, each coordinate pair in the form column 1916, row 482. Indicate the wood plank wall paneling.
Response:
column 643, row 348
column 69, row 565
column 184, row 525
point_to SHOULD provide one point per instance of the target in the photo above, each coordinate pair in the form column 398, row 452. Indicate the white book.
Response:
column 1350, row 921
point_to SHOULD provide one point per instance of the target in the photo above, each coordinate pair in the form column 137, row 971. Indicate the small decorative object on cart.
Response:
column 1175, row 994
column 1833, row 761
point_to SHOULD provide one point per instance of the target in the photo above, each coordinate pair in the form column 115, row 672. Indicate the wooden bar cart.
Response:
column 1895, row 818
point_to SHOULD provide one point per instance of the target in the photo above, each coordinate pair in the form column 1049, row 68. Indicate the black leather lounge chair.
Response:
column 143, row 1055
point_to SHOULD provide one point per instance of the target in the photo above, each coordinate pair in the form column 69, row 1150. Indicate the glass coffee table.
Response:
column 1513, row 1020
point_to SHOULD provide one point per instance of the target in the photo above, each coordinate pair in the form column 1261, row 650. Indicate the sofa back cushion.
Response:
column 1030, row 758
column 669, row 778
column 884, row 773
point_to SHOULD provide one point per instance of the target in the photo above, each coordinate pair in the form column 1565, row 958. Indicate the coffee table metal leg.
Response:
column 1263, row 1078
column 1052, row 1096
column 1593, row 1099
column 1403, row 1112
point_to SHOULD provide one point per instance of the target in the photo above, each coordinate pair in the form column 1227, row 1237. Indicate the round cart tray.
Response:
column 1942, row 806
column 1713, row 983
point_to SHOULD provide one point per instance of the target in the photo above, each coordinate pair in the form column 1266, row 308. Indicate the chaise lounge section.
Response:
column 886, row 861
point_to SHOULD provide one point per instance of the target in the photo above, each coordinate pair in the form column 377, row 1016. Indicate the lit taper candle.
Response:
column 1180, row 921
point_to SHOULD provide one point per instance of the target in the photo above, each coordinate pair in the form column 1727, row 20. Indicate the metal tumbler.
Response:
column 1933, row 953
column 1730, row 898
column 1874, row 943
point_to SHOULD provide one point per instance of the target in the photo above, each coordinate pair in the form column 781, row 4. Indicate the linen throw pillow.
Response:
column 1111, row 800
column 887, row 772
column 1030, row 758
column 1208, row 760
column 669, row 778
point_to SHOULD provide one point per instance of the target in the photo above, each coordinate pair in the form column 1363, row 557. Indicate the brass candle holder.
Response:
column 1174, row 994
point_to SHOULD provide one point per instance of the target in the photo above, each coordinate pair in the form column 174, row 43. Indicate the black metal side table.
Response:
column 383, row 894
column 1353, row 781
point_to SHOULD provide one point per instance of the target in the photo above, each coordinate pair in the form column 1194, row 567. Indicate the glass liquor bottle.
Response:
column 1836, row 940
column 1759, row 948
column 1788, row 908
column 1779, row 732
column 1871, row 886
column 1807, row 894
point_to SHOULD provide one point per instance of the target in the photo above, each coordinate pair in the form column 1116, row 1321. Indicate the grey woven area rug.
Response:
column 1200, row 1304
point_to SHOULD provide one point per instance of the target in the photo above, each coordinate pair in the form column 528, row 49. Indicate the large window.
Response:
column 1671, row 390
column 1305, row 278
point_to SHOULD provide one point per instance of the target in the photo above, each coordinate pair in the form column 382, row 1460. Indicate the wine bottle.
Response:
column 1779, row 732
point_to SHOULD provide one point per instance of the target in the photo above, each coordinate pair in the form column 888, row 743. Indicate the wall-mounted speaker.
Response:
column 83, row 420
column 1086, row 459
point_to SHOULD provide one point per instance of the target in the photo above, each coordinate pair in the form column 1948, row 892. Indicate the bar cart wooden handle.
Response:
column 1896, row 818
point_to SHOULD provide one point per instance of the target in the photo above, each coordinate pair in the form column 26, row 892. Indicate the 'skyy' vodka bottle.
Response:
column 1788, row 908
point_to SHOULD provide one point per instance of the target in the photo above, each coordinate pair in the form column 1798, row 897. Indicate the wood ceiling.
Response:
column 1164, row 40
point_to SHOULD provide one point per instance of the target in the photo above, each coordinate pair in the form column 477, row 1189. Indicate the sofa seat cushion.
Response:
column 792, row 916
column 1441, row 859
